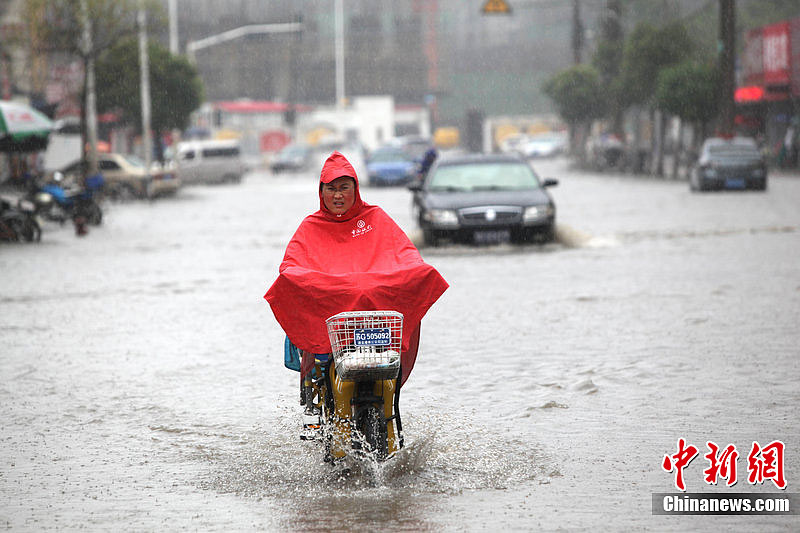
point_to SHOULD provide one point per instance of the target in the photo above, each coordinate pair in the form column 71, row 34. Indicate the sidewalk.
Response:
column 784, row 172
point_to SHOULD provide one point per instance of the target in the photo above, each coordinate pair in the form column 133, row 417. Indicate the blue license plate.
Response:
column 734, row 183
column 492, row 236
column 372, row 337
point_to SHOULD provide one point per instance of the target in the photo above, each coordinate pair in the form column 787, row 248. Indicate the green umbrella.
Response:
column 22, row 128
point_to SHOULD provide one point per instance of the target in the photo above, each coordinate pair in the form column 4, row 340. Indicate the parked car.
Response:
column 388, row 165
column 484, row 198
column 125, row 176
column 511, row 143
column 733, row 163
column 293, row 158
column 547, row 144
column 209, row 161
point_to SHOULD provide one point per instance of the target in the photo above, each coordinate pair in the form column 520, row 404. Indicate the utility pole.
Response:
column 91, row 94
column 727, row 43
column 577, row 32
column 173, row 26
column 339, row 46
column 144, row 86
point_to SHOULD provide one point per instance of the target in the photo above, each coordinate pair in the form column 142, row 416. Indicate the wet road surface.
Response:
column 143, row 383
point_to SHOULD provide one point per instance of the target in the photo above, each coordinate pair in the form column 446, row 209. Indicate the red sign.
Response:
column 776, row 50
column 752, row 93
column 273, row 141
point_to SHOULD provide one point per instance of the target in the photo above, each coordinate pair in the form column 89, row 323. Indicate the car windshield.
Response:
column 133, row 160
column 484, row 176
column 293, row 151
column 731, row 151
column 387, row 156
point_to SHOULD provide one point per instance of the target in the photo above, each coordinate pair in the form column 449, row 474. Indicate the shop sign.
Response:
column 776, row 53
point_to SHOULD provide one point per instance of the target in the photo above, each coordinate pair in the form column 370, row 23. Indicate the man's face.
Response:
column 339, row 195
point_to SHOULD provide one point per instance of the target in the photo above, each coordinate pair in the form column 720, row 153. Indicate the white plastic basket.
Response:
column 366, row 344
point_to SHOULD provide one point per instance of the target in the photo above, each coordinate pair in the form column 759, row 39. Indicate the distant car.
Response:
column 414, row 146
column 511, row 143
column 547, row 144
column 209, row 161
column 293, row 158
column 733, row 163
column 125, row 176
column 390, row 166
column 484, row 198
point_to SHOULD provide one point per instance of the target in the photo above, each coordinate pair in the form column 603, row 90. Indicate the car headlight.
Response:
column 537, row 212
column 443, row 217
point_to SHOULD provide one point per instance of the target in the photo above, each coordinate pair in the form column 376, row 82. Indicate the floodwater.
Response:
column 143, row 385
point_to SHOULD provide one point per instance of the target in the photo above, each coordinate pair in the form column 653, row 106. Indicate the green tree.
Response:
column 688, row 90
column 579, row 99
column 175, row 87
column 647, row 51
column 58, row 24
column 607, row 59
column 577, row 94
column 84, row 28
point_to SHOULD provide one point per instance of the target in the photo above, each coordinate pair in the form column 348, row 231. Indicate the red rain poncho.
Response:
column 357, row 261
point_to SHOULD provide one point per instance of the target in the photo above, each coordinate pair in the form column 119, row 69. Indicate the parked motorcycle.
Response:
column 56, row 202
column 18, row 221
column 351, row 396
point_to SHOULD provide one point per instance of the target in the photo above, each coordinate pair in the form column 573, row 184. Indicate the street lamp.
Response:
column 243, row 31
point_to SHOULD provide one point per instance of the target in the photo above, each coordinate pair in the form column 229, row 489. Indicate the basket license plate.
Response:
column 372, row 337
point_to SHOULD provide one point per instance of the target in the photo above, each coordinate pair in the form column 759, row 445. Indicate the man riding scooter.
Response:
column 349, row 256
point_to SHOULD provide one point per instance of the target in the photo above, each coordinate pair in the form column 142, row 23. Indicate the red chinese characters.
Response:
column 766, row 463
column 723, row 465
column 679, row 461
column 763, row 463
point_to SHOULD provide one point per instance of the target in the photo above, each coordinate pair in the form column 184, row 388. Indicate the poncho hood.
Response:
column 337, row 166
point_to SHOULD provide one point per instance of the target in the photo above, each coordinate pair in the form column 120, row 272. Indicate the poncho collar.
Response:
column 337, row 166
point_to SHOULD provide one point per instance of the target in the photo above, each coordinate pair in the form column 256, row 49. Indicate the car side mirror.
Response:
column 550, row 182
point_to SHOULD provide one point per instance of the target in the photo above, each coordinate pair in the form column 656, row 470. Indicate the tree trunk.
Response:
column 653, row 140
column 660, row 128
column 678, row 152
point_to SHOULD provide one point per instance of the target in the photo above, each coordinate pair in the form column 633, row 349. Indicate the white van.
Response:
column 208, row 161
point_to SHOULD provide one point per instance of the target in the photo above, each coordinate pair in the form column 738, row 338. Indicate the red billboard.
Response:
column 771, row 59
column 776, row 54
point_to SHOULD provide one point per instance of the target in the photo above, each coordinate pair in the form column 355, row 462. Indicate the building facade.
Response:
column 768, row 96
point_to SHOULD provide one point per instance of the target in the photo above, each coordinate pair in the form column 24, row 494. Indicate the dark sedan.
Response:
column 733, row 163
column 484, row 198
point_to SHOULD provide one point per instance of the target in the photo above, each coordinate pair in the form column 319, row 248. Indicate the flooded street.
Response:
column 144, row 388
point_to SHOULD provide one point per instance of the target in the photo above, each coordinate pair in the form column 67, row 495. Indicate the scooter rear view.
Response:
column 352, row 401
